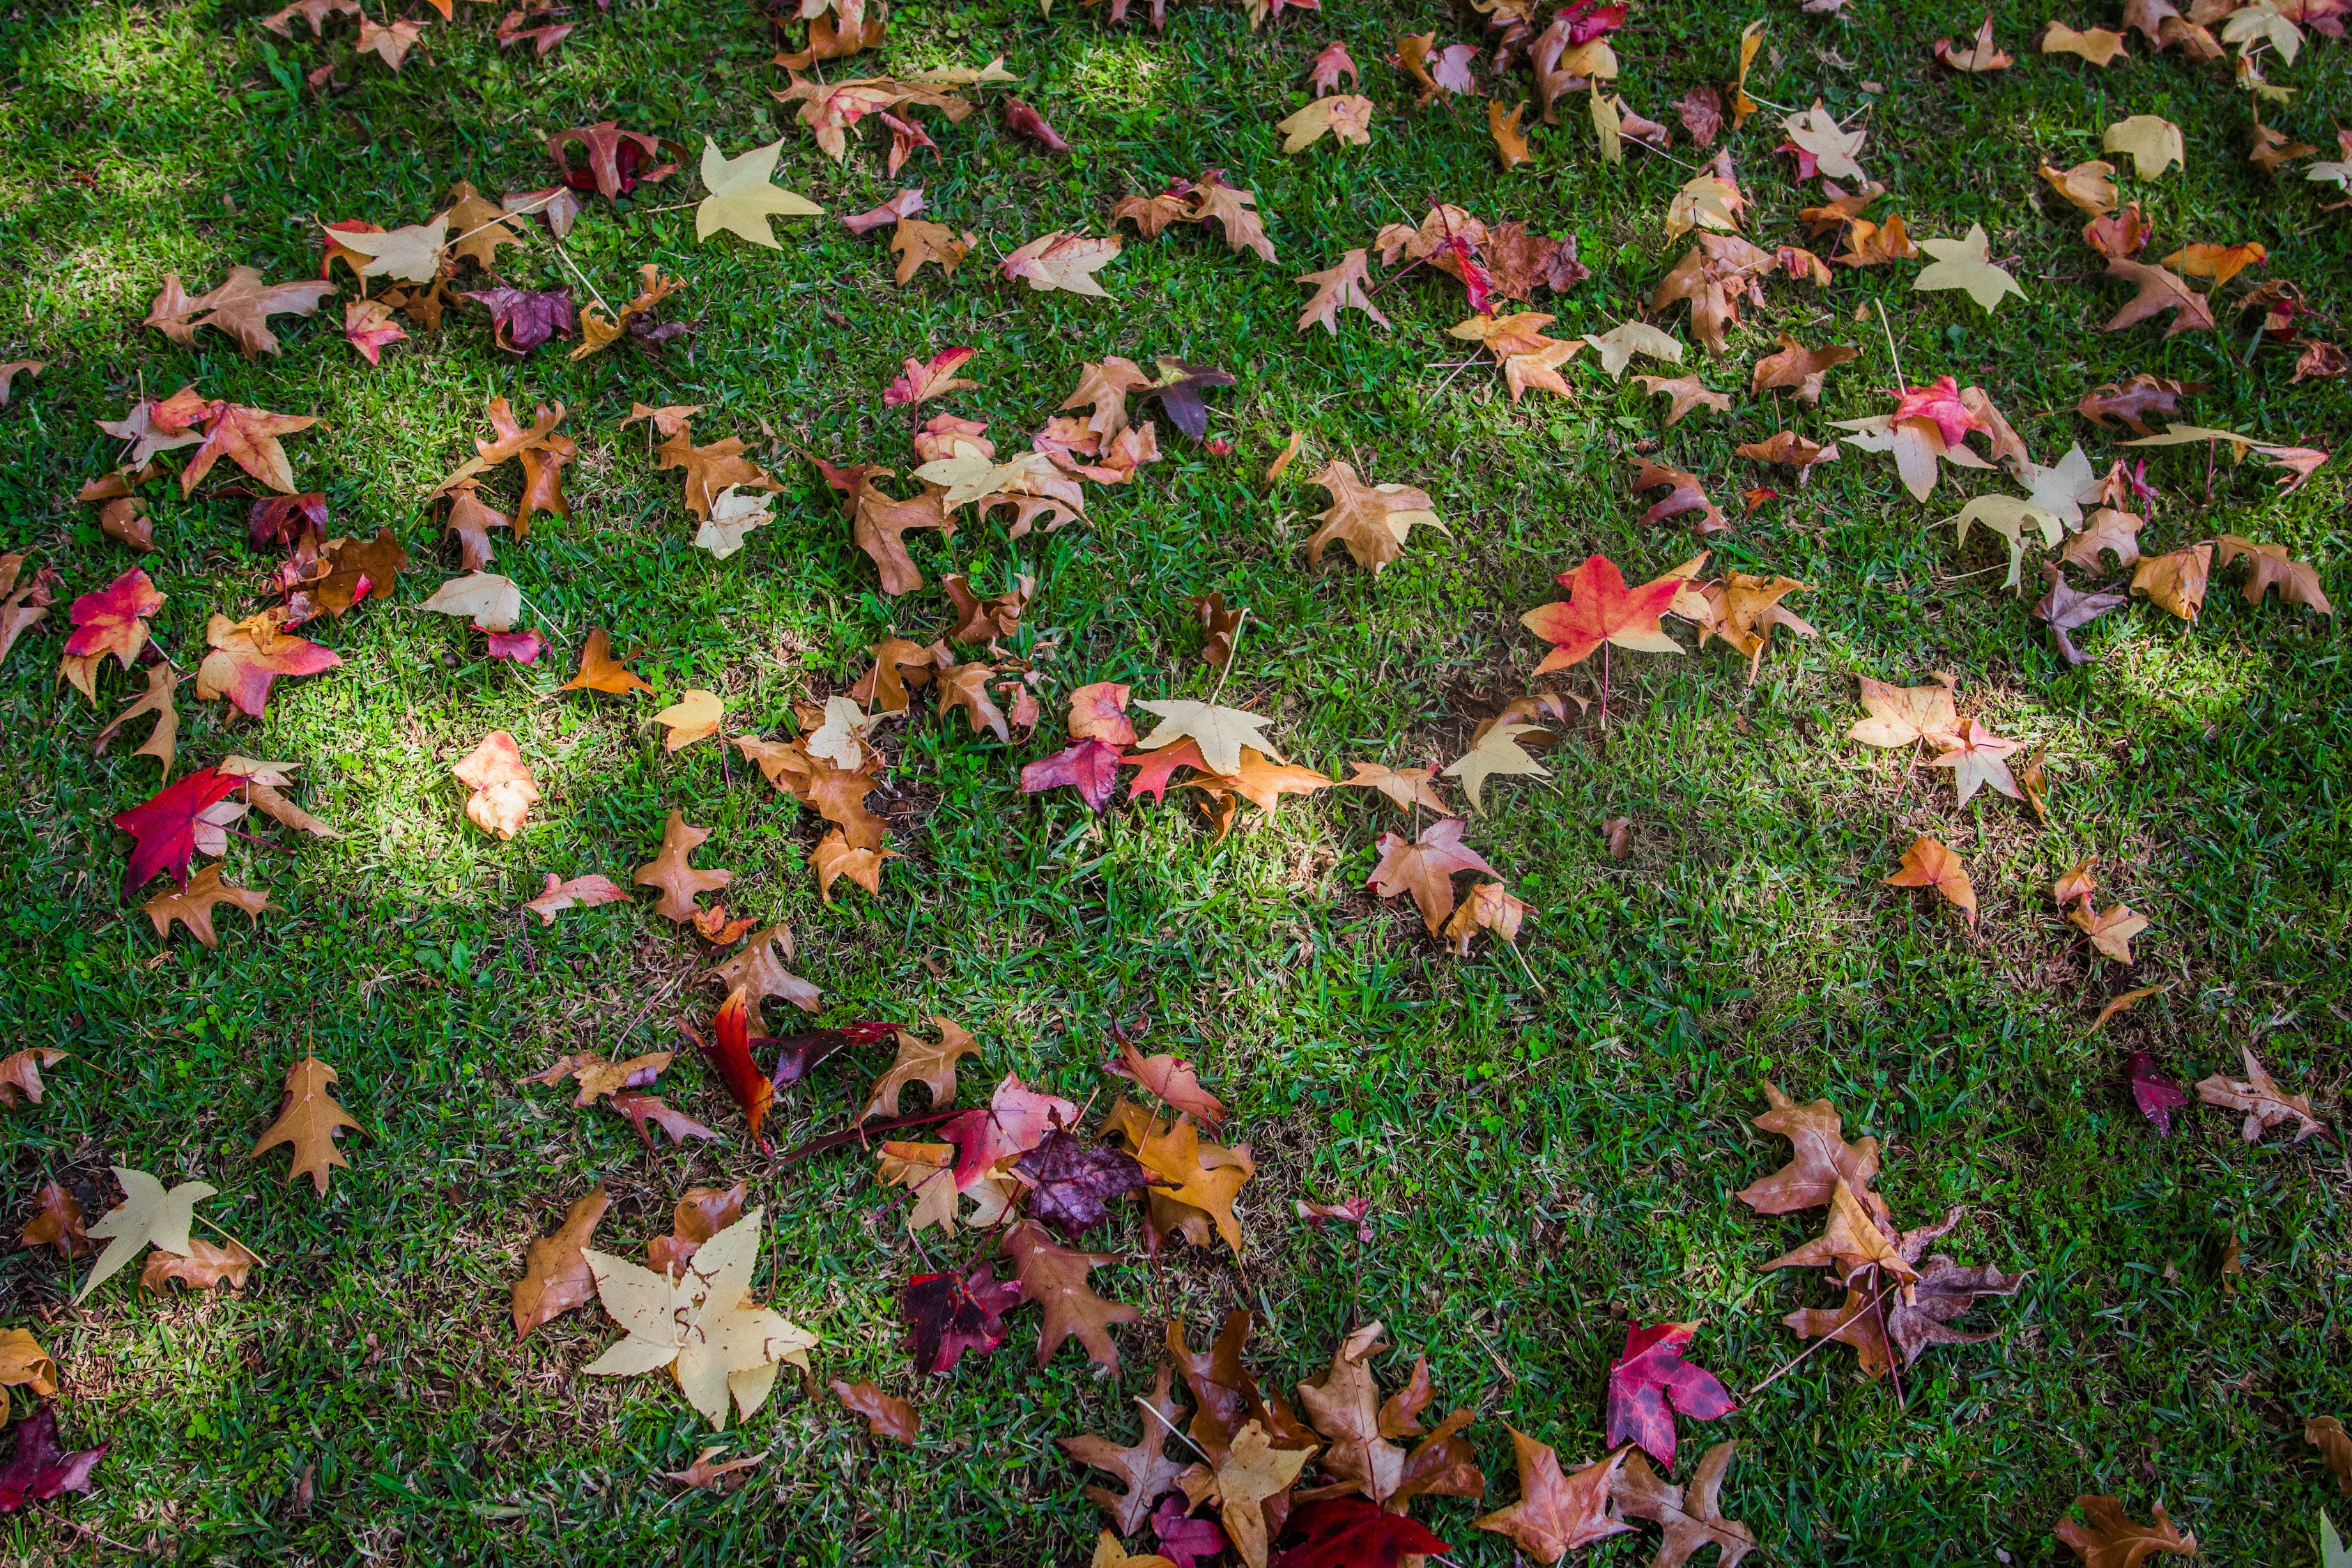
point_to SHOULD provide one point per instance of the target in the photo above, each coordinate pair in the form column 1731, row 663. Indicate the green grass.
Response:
column 1549, row 1147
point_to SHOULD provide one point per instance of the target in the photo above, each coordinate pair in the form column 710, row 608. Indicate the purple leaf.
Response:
column 526, row 319
column 40, row 1470
column 801, row 1053
column 1091, row 767
column 1183, row 1538
column 1024, row 121
column 947, row 1315
column 1179, row 391
column 2157, row 1094
column 1651, row 1382
column 1073, row 1182
column 278, row 520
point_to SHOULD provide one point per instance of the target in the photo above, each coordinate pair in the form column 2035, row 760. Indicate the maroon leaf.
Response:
column 1349, row 1532
column 276, row 521
column 1072, row 1183
column 1183, row 1538
column 801, row 1053
column 2157, row 1095
column 1090, row 767
column 641, row 1109
column 40, row 1470
column 1024, row 121
column 165, row 826
column 618, row 159
column 524, row 317
column 947, row 1315
column 1651, row 1376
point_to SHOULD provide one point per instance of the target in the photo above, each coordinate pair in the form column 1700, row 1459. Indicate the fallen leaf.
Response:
column 931, row 1064
column 1345, row 117
column 308, row 1119
column 1684, row 494
column 147, row 1215
column 1831, row 148
column 2271, row 566
column 2088, row 185
column 2160, row 290
column 704, row 1475
column 2097, row 44
column 2112, row 1541
column 2176, row 580
column 741, row 201
column 1901, row 716
column 241, row 305
column 1145, row 1468
column 2156, row 1095
column 1650, row 1383
column 1600, row 609
column 948, row 1314
column 1687, row 393
column 1978, row 757
column 701, row 1325
column 1064, row 261
column 1426, row 867
column 2326, row 1434
column 2111, row 931
column 502, row 788
column 1511, row 141
column 1799, row 367
column 1054, row 1277
column 2063, row 607
column 193, row 906
column 2154, row 143
column 1337, row 288
column 1370, row 520
column 1557, row 1513
column 1965, row 264
column 1821, row 1158
column 680, row 883
column 1405, row 788
column 1983, row 55
column 1251, row 1470
column 57, row 1220
column 2266, row 1105
column 249, row 655
column 1927, row 863
column 886, row 1415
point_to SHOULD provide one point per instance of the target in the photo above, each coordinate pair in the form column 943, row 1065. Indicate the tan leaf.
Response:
column 681, row 884
column 555, row 1277
column 1927, row 863
column 2266, row 1105
column 192, row 905
column 930, row 1063
column 308, row 1119
column 1343, row 116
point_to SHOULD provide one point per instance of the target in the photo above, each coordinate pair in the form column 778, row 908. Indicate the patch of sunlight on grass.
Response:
column 110, row 52
column 2191, row 680
column 1122, row 72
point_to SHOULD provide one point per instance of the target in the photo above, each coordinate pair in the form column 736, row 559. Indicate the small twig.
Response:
column 1172, row 1428
column 858, row 1132
column 1398, row 276
column 226, row 1237
column 1893, row 1354
column 565, row 256
column 264, row 843
column 651, row 1003
column 1824, row 1342
column 80, row 1529
column 1891, row 353
column 1233, row 646
column 674, row 208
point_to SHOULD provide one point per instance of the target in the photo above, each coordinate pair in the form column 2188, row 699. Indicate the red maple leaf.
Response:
column 1598, row 609
column 165, row 826
column 1153, row 768
column 1349, row 1532
column 114, row 619
column 1940, row 404
column 1091, row 767
column 1650, row 1377
column 731, row 1057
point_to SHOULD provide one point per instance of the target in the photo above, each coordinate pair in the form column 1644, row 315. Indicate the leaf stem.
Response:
column 1891, row 353
column 1233, row 646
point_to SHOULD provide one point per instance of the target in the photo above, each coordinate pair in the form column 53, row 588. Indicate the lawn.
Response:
column 1549, row 1138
